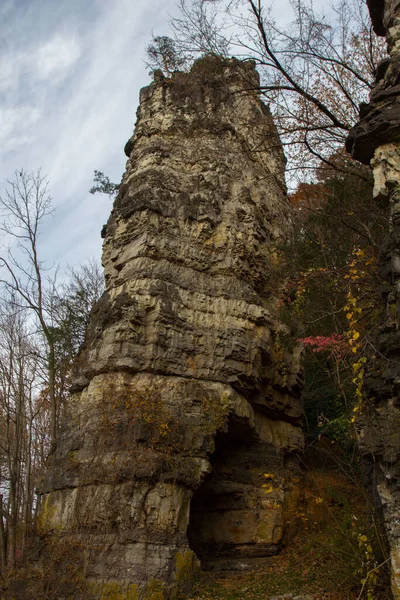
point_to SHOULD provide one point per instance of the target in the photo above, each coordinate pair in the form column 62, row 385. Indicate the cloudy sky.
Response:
column 70, row 74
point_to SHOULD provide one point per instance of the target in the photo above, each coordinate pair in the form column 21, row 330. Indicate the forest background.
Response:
column 313, row 74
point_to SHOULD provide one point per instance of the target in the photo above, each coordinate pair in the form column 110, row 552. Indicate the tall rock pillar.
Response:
column 376, row 139
column 180, row 439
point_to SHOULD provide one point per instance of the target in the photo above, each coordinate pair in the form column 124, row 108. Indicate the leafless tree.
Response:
column 72, row 302
column 314, row 71
column 19, row 409
column 24, row 205
column 42, row 326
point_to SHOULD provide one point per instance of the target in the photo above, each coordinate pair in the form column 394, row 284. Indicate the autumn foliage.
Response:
column 333, row 290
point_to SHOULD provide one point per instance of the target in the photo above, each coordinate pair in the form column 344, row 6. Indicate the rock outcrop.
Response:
column 181, row 436
column 376, row 139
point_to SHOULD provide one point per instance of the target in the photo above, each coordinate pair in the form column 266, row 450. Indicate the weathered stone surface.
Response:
column 377, row 139
column 182, row 433
column 380, row 119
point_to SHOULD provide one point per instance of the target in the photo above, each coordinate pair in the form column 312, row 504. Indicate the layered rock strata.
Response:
column 376, row 139
column 181, row 436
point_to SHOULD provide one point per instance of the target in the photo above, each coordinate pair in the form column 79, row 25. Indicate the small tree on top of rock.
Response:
column 314, row 71
column 163, row 55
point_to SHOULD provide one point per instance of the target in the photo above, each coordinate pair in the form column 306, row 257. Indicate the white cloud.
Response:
column 8, row 69
column 55, row 58
column 6, row 7
column 69, row 87
column 15, row 124
column 27, row 69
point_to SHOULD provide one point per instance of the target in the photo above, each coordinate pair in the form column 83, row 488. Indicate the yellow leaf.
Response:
column 268, row 488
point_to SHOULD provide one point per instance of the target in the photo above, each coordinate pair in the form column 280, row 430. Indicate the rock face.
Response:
column 180, row 439
column 376, row 139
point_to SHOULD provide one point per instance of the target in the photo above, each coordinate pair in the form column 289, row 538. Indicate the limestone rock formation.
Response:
column 181, row 436
column 376, row 139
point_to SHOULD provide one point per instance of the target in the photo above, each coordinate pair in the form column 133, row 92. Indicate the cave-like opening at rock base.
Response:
column 229, row 512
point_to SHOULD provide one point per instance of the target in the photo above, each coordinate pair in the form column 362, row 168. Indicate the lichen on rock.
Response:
column 181, row 401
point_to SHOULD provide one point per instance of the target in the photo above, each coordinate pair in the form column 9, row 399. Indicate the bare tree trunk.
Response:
column 52, row 393
column 3, row 543
column 12, row 524
column 27, row 506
